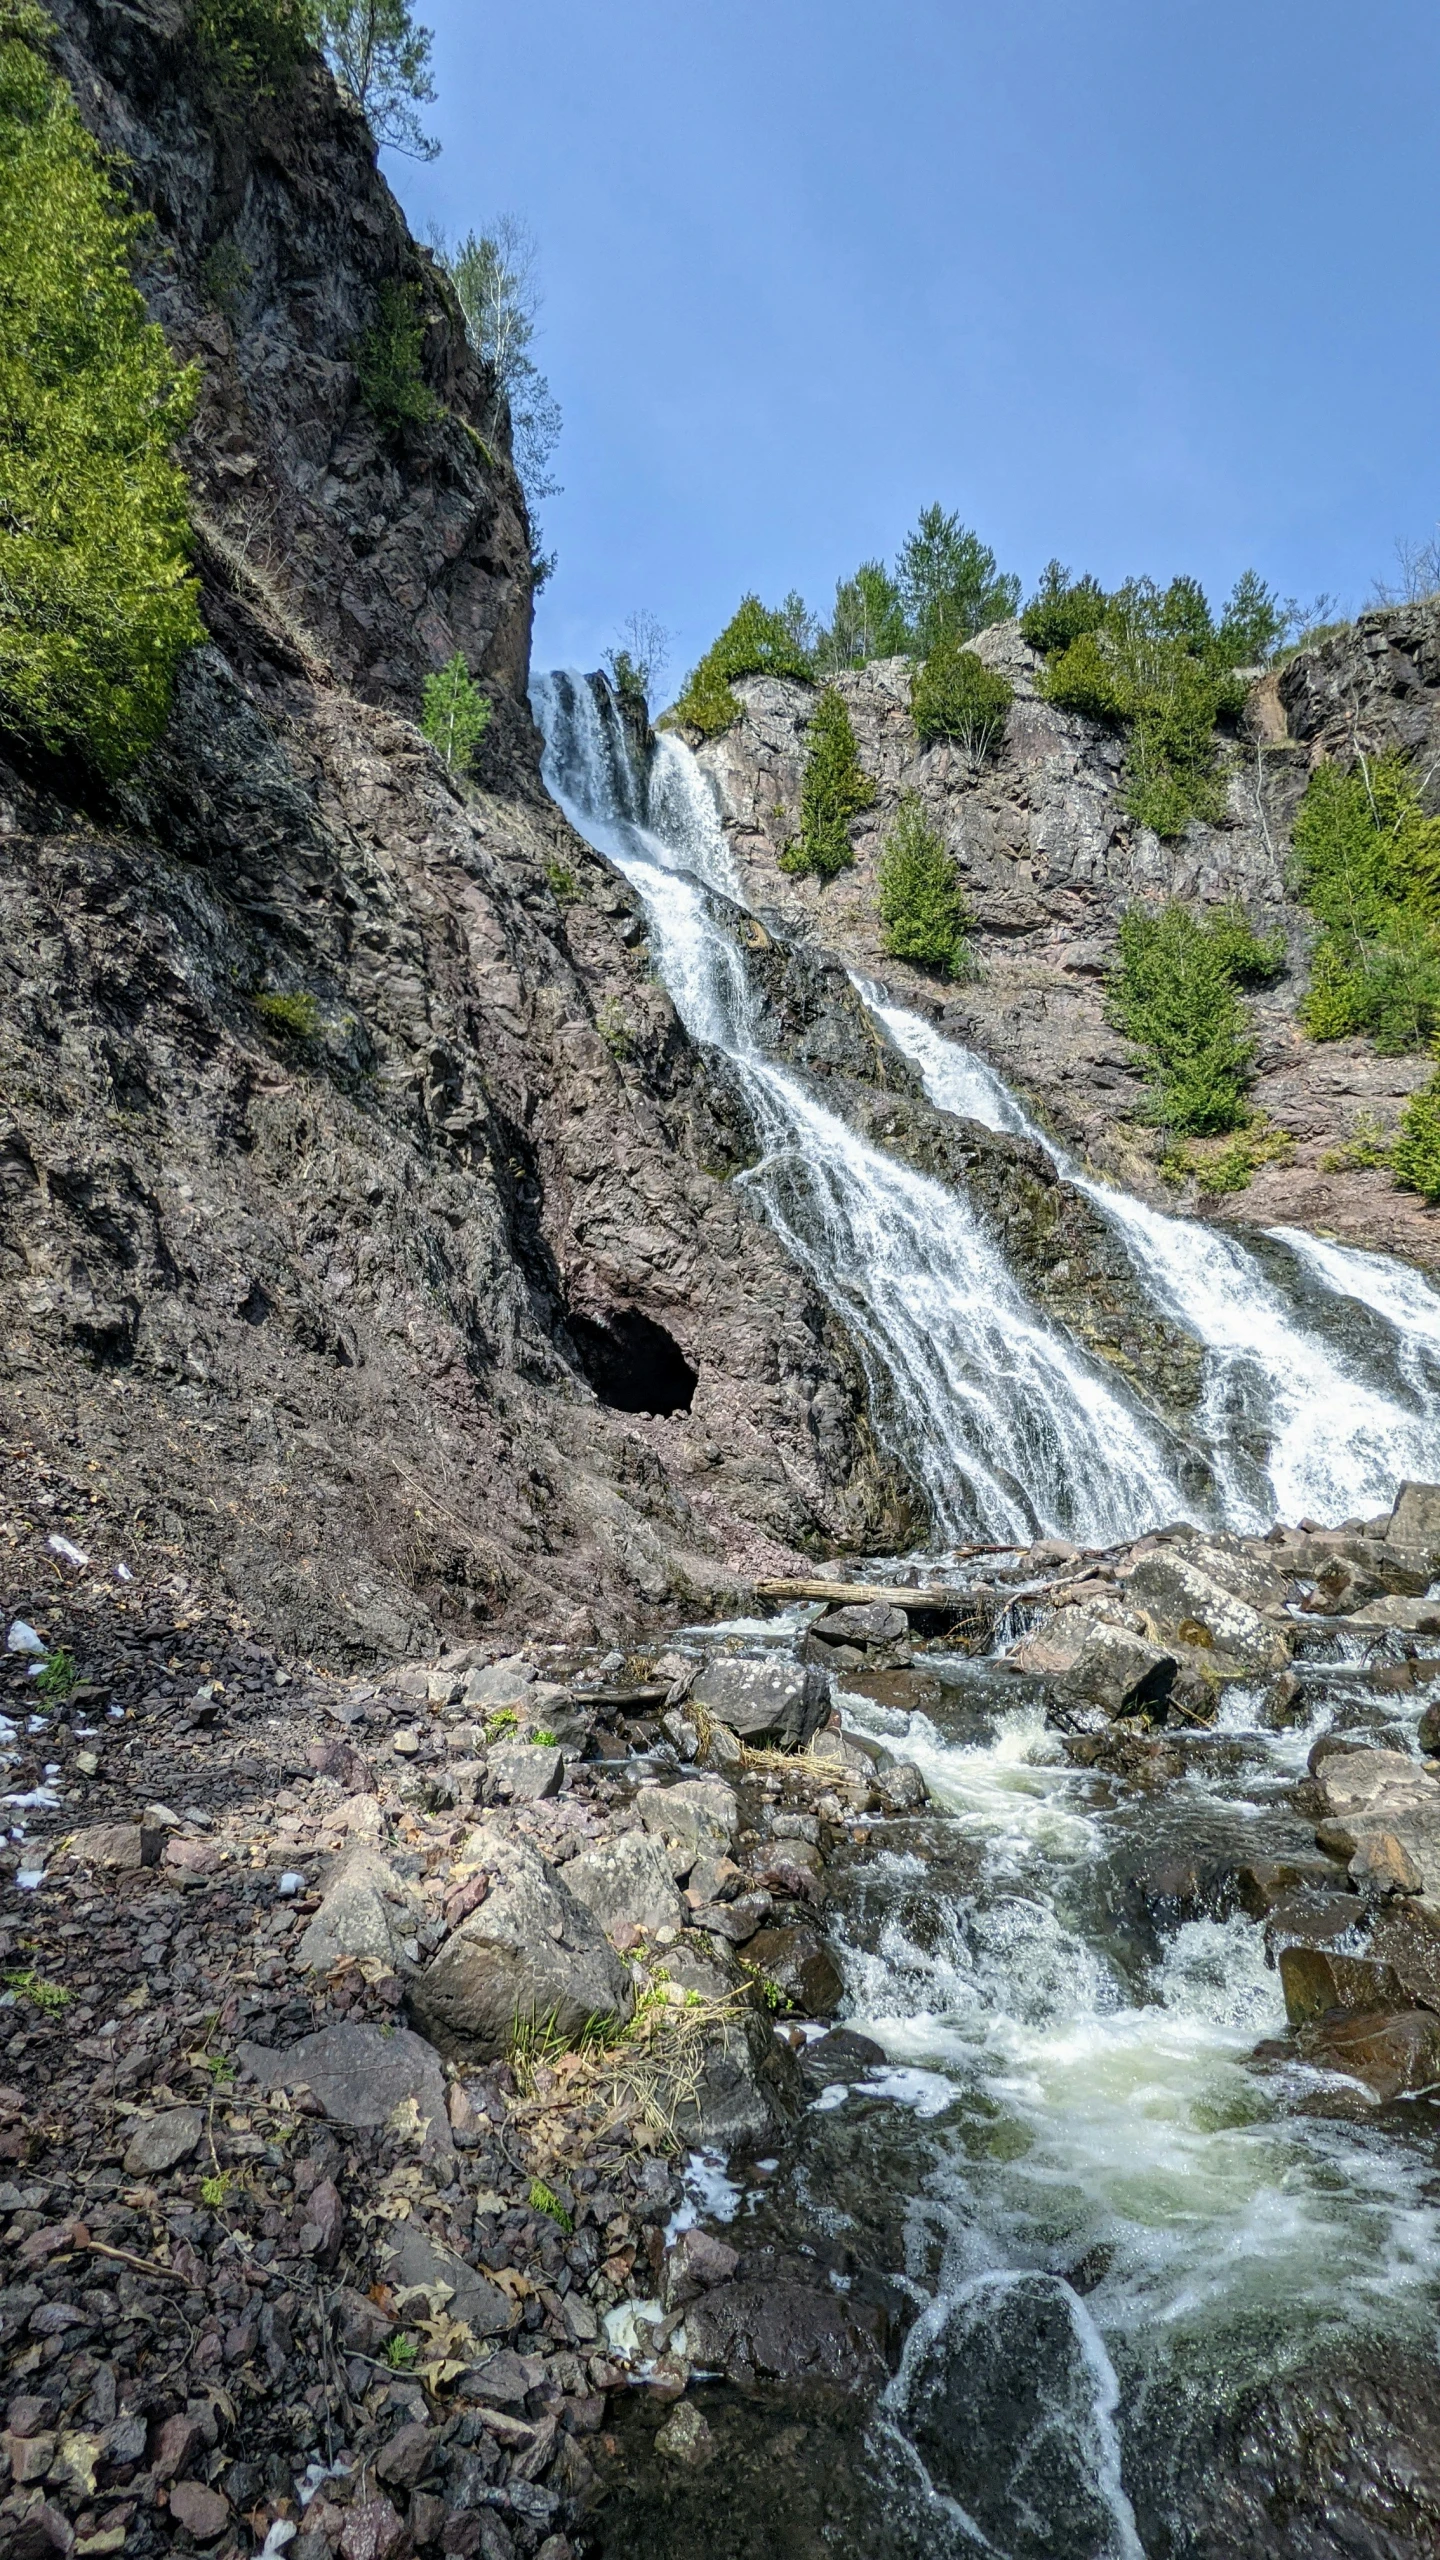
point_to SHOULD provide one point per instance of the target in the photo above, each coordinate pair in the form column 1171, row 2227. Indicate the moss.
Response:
column 922, row 905
column 834, row 789
column 292, row 1017
column 97, row 601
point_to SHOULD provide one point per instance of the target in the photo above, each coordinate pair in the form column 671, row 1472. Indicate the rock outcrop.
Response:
column 332, row 1225
column 1050, row 861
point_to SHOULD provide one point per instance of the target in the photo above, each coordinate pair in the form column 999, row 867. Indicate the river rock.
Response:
column 531, row 1952
column 501, row 1685
column 1188, row 1604
column 761, row 2330
column 1395, row 1614
column 365, row 1913
column 843, row 2055
column 157, row 2143
column 864, row 1622
column 1096, row 1662
column 360, row 2075
column 420, row 2261
column 627, row 1883
column 744, row 2089
column 1415, row 1520
column 801, row 1965
column 1390, row 2051
column 702, row 1814
column 778, row 1704
column 525, row 1772
column 1367, row 1792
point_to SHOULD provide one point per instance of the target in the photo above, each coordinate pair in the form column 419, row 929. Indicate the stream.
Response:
column 1168, row 2301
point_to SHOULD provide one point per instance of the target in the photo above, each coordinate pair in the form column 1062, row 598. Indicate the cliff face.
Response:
column 1050, row 862
column 411, row 1300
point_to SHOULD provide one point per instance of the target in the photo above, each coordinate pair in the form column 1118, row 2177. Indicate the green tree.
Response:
column 756, row 641
column 922, row 905
column 833, row 791
column 1175, row 995
column 382, row 58
column 1062, row 610
column 496, row 278
column 1254, row 623
column 1415, row 1153
column 949, row 583
column 97, row 600
column 255, row 44
column 387, row 360
column 868, row 621
column 1367, row 864
column 456, row 714
column 955, row 695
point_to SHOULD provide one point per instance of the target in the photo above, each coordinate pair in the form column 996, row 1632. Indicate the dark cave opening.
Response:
column 634, row 1364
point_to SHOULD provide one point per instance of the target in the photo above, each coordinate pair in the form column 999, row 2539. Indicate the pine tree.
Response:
column 456, row 714
column 834, row 790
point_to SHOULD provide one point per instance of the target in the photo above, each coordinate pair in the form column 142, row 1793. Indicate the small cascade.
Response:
column 1322, row 1378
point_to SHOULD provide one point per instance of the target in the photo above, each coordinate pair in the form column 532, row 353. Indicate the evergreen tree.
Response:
column 834, row 790
column 922, row 905
column 456, row 714
column 949, row 583
column 955, row 695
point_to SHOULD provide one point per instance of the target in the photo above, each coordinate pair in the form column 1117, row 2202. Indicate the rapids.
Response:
column 1171, row 2302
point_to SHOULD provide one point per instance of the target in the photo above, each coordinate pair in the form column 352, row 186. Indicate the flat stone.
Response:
column 360, row 2075
column 1390, row 2052
column 866, row 1622
column 1368, row 1792
column 1415, row 1520
column 122, row 1845
column 763, row 2330
column 203, row 2512
column 626, row 1882
column 503, row 1685
column 418, row 2260
column 525, row 1772
column 158, row 2142
column 1382, row 1864
column 842, row 2055
column 1186, row 1604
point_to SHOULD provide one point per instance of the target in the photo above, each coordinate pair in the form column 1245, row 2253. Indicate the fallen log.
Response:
column 852, row 1595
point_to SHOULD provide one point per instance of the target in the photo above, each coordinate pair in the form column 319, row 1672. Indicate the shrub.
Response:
column 97, row 601
column 1062, row 610
column 955, row 695
column 922, row 905
column 755, row 641
column 1415, row 1153
column 834, row 790
column 1175, row 995
column 255, row 44
column 1083, row 677
column 456, row 714
column 387, row 359
column 226, row 276
column 1367, row 864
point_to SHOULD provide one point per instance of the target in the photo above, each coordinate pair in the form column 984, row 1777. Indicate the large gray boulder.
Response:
column 1415, row 1520
column 531, row 1954
column 360, row 2075
column 1367, row 1793
column 701, row 1814
column 627, row 1883
column 1185, row 1604
column 1096, row 1661
column 778, row 1704
column 365, row 1914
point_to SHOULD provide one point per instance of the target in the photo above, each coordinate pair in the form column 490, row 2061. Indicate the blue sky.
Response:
column 1145, row 283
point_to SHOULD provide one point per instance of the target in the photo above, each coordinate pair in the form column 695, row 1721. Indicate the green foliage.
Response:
column 544, row 2200
column 1367, row 1148
column 1062, row 610
column 495, row 275
column 293, row 1017
column 755, row 642
column 387, row 359
column 455, row 714
column 1415, row 1153
column 922, row 905
column 226, row 276
column 1083, row 677
column 1156, row 661
column 255, row 44
column 543, row 1738
column 1232, row 1165
column 1175, row 995
column 58, row 1677
column 215, row 2190
column 382, row 58
column 949, row 583
column 615, row 1028
column 1253, row 625
column 97, row 602
column 955, row 695
column 1367, row 863
column 834, row 790
column 48, row 1997
column 401, row 2352
column 564, row 887
column 868, row 621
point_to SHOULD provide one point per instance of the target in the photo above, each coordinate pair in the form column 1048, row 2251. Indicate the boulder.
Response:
column 418, row 2260
column 365, row 1913
column 703, row 1814
column 1367, row 1792
column 686, row 2437
column 125, row 1846
column 902, row 1786
column 627, row 1883
column 1095, row 1661
column 843, row 2055
column 777, row 1703
column 800, row 1963
column 866, row 1622
column 1316, row 1980
column 532, row 1952
column 525, row 1772
column 1382, row 1865
column 761, row 2330
column 737, row 1920
column 1185, row 1603
column 503, row 1684
column 1391, row 2052
column 1415, row 1520
column 744, row 2088
column 1396, row 1615
column 360, row 2075
column 695, row 2265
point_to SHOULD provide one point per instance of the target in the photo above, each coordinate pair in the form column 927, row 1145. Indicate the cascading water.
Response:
column 1156, row 2282
column 1005, row 1420
column 1322, row 1381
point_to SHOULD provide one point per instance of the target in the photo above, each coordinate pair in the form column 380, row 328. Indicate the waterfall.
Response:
column 1009, row 1425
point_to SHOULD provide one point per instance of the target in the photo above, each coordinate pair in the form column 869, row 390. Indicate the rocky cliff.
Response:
column 1050, row 862
column 367, row 1217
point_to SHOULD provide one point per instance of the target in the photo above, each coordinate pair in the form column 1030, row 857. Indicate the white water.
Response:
column 1008, row 1423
